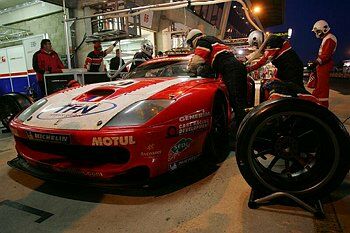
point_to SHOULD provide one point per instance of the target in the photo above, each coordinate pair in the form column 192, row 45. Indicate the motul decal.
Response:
column 74, row 110
column 113, row 141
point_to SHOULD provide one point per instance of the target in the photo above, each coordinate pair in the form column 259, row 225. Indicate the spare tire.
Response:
column 11, row 104
column 295, row 146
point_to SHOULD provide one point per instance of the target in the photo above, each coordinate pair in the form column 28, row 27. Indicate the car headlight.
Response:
column 139, row 112
column 31, row 109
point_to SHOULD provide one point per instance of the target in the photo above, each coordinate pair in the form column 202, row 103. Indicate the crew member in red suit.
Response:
column 281, row 54
column 46, row 61
column 324, row 62
column 94, row 60
column 213, row 52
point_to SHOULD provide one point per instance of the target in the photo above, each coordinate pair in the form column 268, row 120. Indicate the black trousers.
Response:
column 42, row 88
column 235, row 78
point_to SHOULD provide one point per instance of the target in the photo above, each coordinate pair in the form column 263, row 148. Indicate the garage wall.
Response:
column 50, row 24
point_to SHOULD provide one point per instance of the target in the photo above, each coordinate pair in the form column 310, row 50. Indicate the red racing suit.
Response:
column 324, row 67
column 46, row 62
column 94, row 60
column 285, row 59
column 213, row 52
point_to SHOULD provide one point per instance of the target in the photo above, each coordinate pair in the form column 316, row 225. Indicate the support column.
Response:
column 224, row 19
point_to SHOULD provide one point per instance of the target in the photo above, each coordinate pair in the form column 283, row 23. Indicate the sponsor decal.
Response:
column 123, row 83
column 44, row 137
column 75, row 110
column 113, row 141
column 175, row 165
column 178, row 148
column 150, row 151
column 194, row 116
column 74, row 171
column 193, row 126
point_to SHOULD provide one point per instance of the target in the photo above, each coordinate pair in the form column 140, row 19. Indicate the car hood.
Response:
column 91, row 107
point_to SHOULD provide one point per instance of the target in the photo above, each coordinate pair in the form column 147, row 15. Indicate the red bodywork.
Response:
column 107, row 153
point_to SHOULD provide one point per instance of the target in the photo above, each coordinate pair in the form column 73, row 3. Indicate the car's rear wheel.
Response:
column 294, row 146
column 217, row 142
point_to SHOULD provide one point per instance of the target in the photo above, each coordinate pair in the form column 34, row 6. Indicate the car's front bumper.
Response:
column 132, row 177
column 93, row 155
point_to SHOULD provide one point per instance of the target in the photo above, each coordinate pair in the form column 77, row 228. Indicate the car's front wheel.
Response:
column 217, row 142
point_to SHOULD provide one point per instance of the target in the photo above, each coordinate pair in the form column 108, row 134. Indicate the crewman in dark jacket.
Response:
column 46, row 61
column 211, row 51
column 145, row 54
column 115, row 62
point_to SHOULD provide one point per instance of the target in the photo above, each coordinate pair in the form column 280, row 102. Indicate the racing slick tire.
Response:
column 294, row 146
column 11, row 104
column 216, row 146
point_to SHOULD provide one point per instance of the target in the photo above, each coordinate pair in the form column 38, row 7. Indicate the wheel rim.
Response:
column 293, row 151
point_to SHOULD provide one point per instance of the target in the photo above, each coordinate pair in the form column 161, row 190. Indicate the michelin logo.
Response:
column 113, row 141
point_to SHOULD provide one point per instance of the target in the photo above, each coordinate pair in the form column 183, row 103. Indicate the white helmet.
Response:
column 256, row 38
column 321, row 28
column 147, row 47
column 193, row 34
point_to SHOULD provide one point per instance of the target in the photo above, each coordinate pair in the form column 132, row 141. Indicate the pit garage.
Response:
column 157, row 148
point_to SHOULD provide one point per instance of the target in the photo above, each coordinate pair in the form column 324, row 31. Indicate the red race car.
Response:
column 156, row 120
column 160, row 117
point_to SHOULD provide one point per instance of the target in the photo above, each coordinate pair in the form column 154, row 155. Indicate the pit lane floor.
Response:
column 193, row 200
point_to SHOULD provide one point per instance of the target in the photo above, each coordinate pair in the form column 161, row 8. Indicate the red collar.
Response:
column 97, row 52
column 45, row 52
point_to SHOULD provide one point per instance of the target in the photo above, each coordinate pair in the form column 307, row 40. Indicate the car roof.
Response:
column 167, row 58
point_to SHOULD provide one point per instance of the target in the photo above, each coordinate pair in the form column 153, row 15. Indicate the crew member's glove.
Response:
column 312, row 65
column 115, row 44
column 205, row 70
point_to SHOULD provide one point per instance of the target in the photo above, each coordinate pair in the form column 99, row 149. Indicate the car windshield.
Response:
column 161, row 69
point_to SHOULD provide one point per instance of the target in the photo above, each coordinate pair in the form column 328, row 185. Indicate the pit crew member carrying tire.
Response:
column 211, row 51
column 324, row 62
column 289, row 77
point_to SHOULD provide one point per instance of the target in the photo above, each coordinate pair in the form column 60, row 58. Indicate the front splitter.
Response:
column 121, row 180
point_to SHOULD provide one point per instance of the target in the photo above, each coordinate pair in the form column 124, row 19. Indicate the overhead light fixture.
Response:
column 256, row 10
column 290, row 33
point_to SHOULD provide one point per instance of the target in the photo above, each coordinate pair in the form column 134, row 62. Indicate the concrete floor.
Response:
column 192, row 200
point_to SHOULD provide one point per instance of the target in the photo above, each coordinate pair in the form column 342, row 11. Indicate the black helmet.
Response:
column 275, row 41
